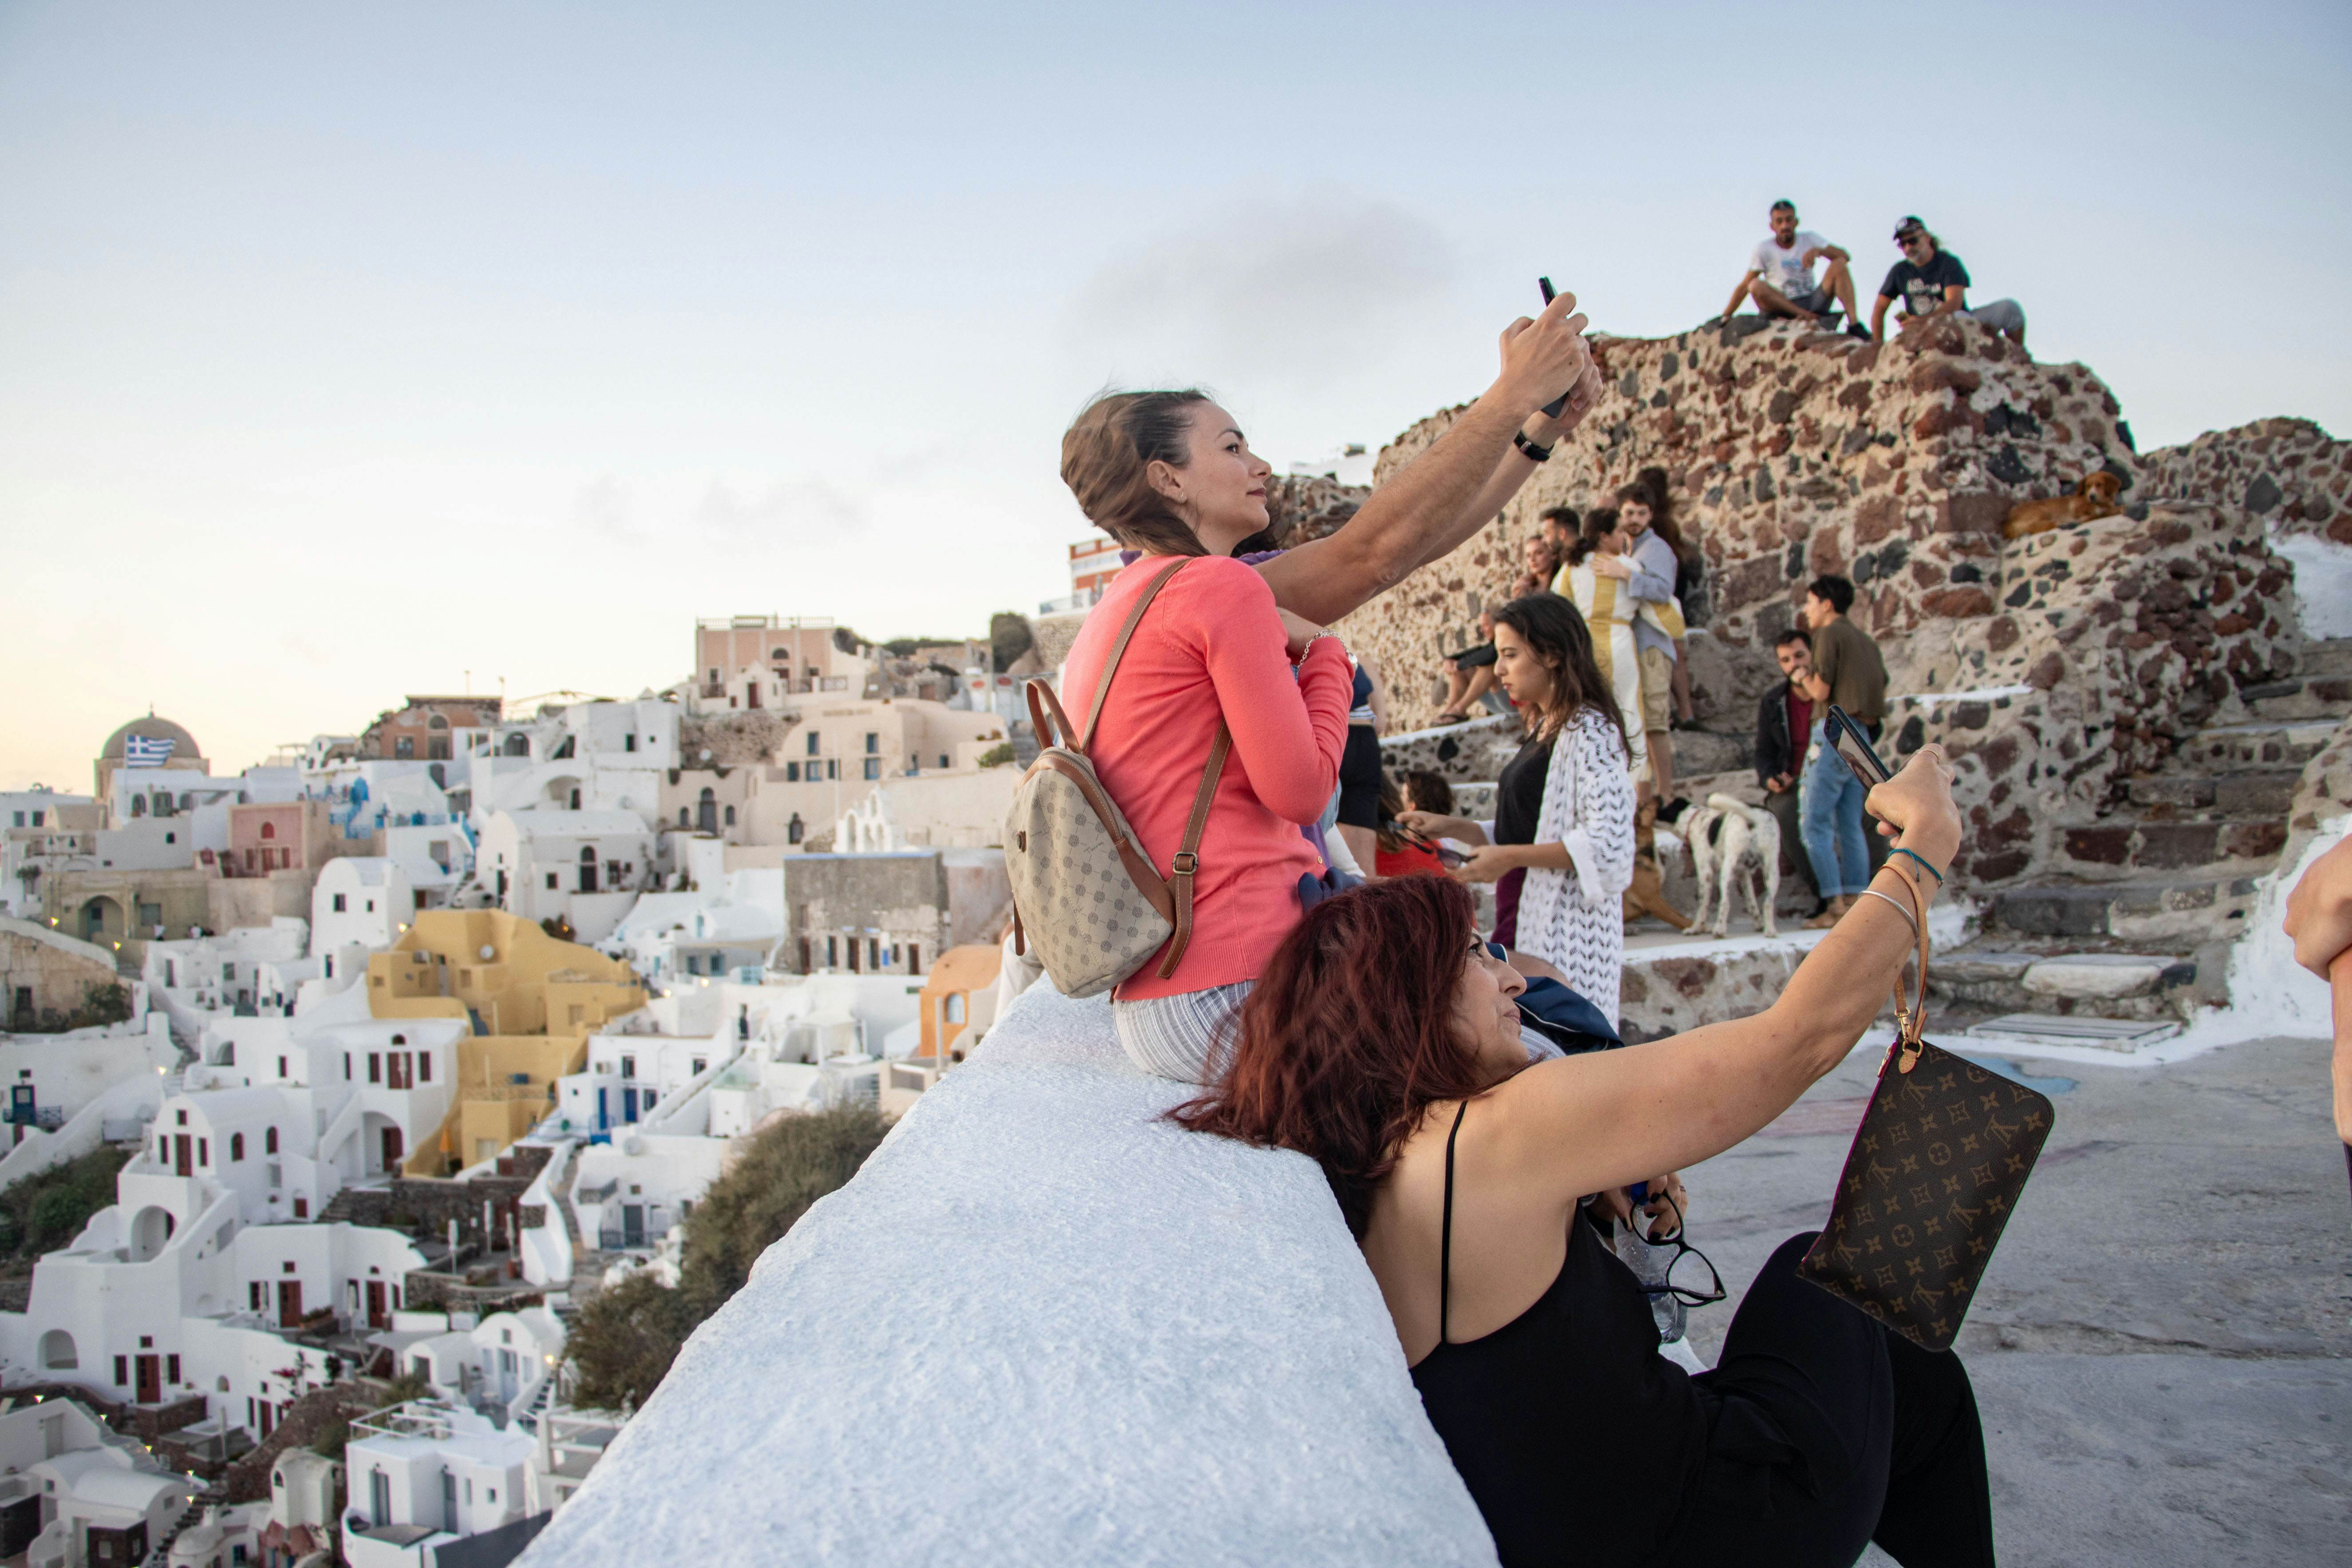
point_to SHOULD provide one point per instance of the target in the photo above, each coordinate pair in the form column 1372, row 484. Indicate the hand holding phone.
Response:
column 1552, row 410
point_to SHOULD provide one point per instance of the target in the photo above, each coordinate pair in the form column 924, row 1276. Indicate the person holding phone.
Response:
column 1560, row 848
column 1848, row 672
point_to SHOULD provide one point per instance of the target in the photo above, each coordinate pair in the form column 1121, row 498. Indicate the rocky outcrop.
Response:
column 2288, row 472
column 2057, row 667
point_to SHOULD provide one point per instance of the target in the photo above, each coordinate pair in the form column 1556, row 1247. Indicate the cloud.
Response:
column 606, row 508
column 1288, row 289
column 724, row 512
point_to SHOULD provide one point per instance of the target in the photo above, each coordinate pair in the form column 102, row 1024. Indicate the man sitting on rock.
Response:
column 1784, row 726
column 1781, row 275
column 1931, row 282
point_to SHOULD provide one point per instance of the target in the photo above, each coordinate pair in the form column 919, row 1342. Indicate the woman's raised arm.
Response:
column 1452, row 489
column 1586, row 1123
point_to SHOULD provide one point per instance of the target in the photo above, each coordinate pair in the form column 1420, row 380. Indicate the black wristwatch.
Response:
column 1535, row 453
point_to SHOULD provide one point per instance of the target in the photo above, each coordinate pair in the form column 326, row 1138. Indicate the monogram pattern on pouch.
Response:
column 1935, row 1171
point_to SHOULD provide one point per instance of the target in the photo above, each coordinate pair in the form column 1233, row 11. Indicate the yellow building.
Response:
column 533, row 1002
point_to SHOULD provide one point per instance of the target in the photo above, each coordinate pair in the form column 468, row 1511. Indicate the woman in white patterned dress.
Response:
column 1564, row 826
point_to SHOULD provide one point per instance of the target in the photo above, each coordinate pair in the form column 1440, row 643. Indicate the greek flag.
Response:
column 144, row 751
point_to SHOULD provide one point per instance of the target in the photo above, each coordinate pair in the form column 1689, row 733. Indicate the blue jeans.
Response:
column 1832, row 815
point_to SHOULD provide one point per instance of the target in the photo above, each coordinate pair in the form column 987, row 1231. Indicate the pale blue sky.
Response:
column 343, row 350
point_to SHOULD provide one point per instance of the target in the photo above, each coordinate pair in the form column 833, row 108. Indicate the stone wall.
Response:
column 2056, row 667
column 2288, row 472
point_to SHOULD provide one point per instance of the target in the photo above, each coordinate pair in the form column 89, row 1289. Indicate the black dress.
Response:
column 1518, row 807
column 1817, row 1431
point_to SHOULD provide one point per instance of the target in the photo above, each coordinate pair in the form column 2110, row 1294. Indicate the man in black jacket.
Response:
column 1784, row 726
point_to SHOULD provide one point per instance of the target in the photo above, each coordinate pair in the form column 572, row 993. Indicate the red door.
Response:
column 392, row 1151
column 395, row 1074
column 150, row 1379
column 376, row 1319
column 182, row 1162
column 290, row 1303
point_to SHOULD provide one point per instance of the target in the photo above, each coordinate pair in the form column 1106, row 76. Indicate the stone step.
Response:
column 2113, row 850
column 2238, row 748
column 2324, row 657
column 2299, row 699
column 2091, row 984
column 2254, row 794
column 2190, row 909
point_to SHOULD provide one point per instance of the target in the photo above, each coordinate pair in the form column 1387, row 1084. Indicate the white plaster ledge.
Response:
column 1042, row 1326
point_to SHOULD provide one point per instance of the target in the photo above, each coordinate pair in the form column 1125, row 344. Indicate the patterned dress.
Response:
column 1573, row 920
column 1608, row 612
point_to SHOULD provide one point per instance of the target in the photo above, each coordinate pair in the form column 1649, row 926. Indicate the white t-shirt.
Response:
column 1786, row 270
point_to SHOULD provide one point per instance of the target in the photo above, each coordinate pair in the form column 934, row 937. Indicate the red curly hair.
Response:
column 1348, row 1037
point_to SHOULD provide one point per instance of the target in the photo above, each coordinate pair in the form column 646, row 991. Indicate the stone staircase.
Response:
column 2136, row 922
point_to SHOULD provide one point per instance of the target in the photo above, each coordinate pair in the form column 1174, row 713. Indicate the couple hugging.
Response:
column 1378, row 1034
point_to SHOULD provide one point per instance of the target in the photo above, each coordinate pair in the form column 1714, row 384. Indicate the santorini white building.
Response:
column 360, row 900
column 89, row 1494
column 426, row 1473
column 584, row 866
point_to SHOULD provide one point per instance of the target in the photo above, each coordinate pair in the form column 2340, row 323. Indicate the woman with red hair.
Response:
column 1383, row 1042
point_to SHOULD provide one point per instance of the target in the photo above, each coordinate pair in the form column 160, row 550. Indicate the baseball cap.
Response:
column 1909, row 226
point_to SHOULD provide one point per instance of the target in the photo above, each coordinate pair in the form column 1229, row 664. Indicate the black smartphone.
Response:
column 1852, row 743
column 1551, row 409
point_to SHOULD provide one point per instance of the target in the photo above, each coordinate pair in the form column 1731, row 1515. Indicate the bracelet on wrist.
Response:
column 1535, row 453
column 1915, row 854
column 1317, row 637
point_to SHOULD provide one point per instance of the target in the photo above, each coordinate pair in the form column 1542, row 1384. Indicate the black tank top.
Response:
column 1579, row 1441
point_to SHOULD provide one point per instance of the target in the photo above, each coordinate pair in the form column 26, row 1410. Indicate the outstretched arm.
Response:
column 1589, row 1123
column 1451, row 490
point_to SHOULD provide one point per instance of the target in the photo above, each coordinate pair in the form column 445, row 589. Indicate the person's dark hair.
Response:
column 1783, row 205
column 1599, row 522
column 1557, row 636
column 1563, row 515
column 1794, row 634
column 1348, row 1037
column 1105, row 454
column 1837, row 591
column 1669, row 527
column 1427, row 791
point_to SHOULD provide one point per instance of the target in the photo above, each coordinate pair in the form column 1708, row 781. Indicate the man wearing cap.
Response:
column 1781, row 275
column 1931, row 282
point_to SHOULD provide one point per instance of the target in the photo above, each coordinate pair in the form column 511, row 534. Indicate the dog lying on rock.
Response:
column 2094, row 497
column 1724, row 835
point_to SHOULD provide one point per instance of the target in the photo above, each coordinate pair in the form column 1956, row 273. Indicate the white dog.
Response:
column 1723, row 836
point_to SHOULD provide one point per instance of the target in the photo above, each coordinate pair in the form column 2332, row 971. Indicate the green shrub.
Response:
column 996, row 756
column 624, row 1340
column 46, row 1210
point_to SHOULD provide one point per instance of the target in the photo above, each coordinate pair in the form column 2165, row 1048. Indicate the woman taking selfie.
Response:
column 1560, row 848
column 1384, row 1043
column 1169, row 474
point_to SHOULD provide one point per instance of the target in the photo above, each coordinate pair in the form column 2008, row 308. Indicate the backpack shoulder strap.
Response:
column 1119, row 649
column 1188, row 857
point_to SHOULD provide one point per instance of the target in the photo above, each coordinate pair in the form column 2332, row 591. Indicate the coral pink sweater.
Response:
column 1210, row 645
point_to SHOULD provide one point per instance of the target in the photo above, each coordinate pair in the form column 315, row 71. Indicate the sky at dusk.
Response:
column 347, row 352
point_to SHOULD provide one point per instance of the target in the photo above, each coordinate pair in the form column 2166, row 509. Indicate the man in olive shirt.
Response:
column 1849, row 673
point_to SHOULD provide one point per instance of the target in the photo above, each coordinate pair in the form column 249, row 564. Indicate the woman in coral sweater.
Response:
column 1170, row 474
